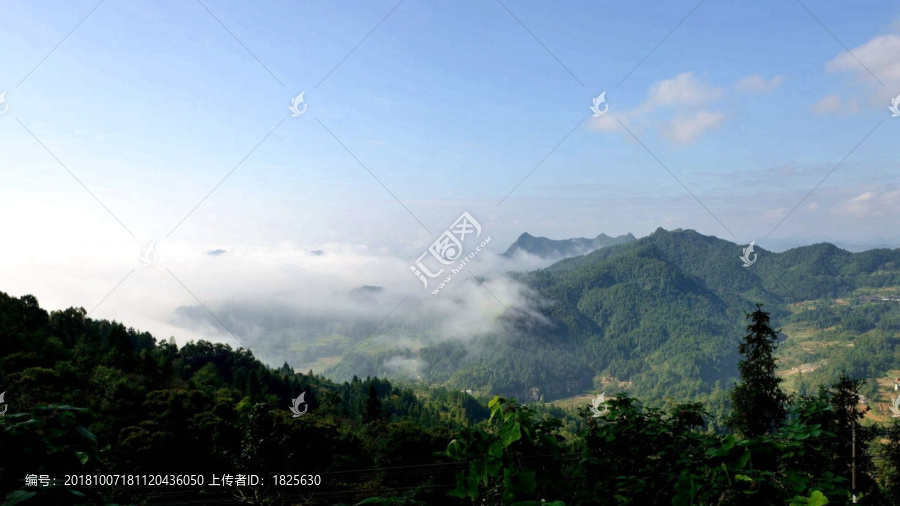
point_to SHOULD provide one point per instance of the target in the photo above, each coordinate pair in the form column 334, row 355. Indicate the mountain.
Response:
column 662, row 317
column 781, row 245
column 93, row 397
column 366, row 292
column 552, row 249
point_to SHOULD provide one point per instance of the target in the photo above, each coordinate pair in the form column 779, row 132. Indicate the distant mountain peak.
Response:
column 627, row 237
column 368, row 289
column 366, row 294
column 558, row 249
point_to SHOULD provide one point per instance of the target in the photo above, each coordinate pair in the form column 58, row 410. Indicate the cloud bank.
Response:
column 681, row 109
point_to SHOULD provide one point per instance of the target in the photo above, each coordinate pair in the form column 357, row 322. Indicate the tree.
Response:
column 208, row 379
column 373, row 405
column 119, row 349
column 758, row 403
column 512, row 458
column 52, row 440
column 852, row 442
column 892, row 463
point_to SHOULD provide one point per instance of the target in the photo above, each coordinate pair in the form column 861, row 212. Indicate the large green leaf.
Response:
column 816, row 499
column 741, row 461
column 455, row 450
column 473, row 486
column 495, row 405
column 518, row 483
column 478, row 470
column 493, row 466
column 86, row 433
column 19, row 496
column 510, row 432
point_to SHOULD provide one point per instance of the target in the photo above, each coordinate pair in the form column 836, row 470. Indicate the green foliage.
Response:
column 149, row 407
column 758, row 403
column 664, row 313
column 513, row 459
column 637, row 455
column 373, row 406
column 52, row 440
column 816, row 499
column 891, row 476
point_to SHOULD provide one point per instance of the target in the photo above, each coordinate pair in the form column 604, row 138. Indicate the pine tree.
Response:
column 758, row 403
column 844, row 397
column 892, row 463
column 373, row 406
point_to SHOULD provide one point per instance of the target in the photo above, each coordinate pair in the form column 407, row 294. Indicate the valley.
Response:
column 662, row 314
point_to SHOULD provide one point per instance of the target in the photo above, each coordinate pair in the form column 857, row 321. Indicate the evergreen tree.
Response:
column 119, row 349
column 255, row 387
column 758, row 403
column 844, row 396
column 373, row 405
column 892, row 463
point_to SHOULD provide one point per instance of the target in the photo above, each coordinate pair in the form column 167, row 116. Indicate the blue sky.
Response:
column 450, row 105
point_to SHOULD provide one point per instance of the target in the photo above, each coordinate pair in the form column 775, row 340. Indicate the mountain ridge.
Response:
column 546, row 248
column 666, row 311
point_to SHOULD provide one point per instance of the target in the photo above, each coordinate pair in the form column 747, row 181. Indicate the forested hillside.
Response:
column 660, row 316
column 98, row 400
column 89, row 396
column 657, row 317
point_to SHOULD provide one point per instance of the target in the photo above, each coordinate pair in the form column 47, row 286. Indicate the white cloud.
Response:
column 608, row 123
column 756, row 83
column 681, row 98
column 881, row 55
column 410, row 367
column 684, row 130
column 833, row 104
column 828, row 105
column 683, row 89
column 869, row 204
column 878, row 57
column 269, row 297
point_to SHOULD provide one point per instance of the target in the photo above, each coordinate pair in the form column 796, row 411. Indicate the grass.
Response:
column 574, row 402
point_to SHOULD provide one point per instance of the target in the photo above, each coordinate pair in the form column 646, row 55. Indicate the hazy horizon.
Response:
column 169, row 124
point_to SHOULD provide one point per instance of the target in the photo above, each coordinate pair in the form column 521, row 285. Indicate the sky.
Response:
column 131, row 123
